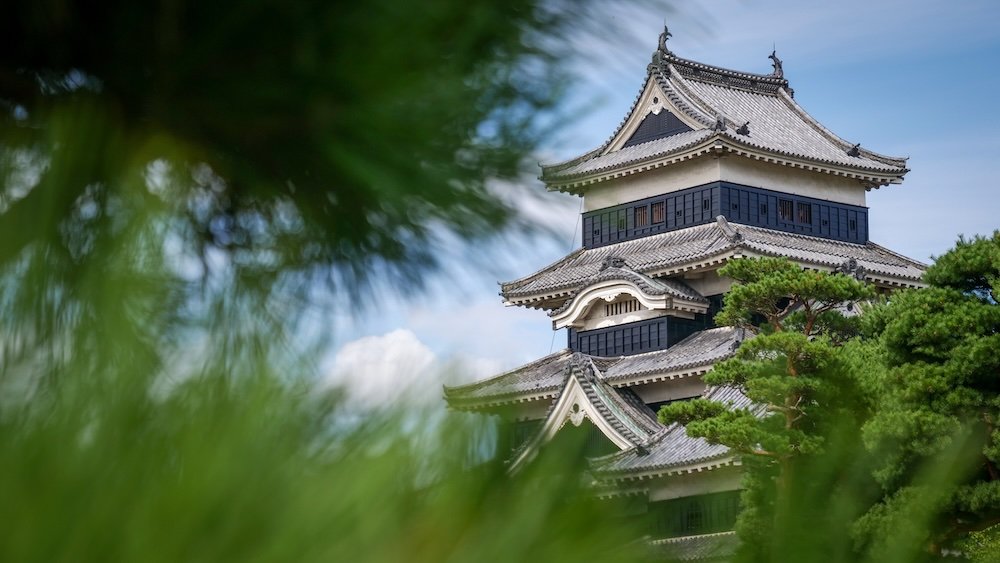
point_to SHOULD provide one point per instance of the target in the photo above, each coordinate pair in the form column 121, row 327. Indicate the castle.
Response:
column 710, row 164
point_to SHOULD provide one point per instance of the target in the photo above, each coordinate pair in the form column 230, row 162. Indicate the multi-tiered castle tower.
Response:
column 710, row 164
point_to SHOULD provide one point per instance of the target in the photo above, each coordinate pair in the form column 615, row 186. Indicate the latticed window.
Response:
column 692, row 519
column 658, row 212
column 805, row 213
column 641, row 216
column 786, row 211
column 622, row 307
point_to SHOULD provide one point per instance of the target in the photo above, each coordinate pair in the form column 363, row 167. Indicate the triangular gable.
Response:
column 585, row 396
column 653, row 116
column 657, row 126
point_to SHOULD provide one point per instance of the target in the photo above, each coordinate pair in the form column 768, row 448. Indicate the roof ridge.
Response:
column 833, row 137
column 557, row 166
column 678, row 82
column 741, row 140
column 770, row 79
column 898, row 255
column 514, row 284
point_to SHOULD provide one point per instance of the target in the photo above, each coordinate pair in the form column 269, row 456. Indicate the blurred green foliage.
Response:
column 187, row 188
column 254, row 471
column 939, row 402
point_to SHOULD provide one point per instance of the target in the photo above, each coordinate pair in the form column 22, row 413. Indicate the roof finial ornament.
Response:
column 855, row 151
column 776, row 62
column 727, row 230
column 720, row 123
column 850, row 267
column 744, row 129
column 663, row 38
column 612, row 261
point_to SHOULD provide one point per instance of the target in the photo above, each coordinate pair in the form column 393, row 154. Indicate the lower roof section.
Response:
column 671, row 449
column 707, row 247
column 707, row 547
column 544, row 378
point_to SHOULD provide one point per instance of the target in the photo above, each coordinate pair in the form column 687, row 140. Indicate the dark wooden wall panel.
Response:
column 740, row 204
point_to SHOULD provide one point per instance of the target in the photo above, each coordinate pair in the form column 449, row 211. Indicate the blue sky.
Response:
column 904, row 78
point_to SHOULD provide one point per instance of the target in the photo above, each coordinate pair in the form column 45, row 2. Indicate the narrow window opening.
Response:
column 805, row 213
column 785, row 210
column 694, row 516
column 706, row 204
column 658, row 214
column 641, row 216
column 621, row 222
column 763, row 209
column 852, row 224
column 622, row 307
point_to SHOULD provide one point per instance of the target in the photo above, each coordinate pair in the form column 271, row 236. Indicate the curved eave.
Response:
column 500, row 401
column 556, row 295
column 514, row 285
column 694, row 369
column 702, row 465
column 718, row 145
column 535, row 300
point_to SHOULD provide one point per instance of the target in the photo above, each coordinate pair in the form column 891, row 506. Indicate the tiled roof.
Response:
column 648, row 285
column 778, row 123
column 642, row 255
column 675, row 249
column 633, row 154
column 547, row 376
column 620, row 408
column 700, row 349
column 707, row 547
column 672, row 447
column 620, row 413
column 777, row 126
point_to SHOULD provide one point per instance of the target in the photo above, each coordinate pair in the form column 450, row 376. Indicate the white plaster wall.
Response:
column 663, row 180
column 705, row 482
column 731, row 168
column 708, row 282
column 673, row 389
column 596, row 318
column 742, row 170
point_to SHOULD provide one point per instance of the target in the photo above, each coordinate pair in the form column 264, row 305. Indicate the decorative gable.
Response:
column 657, row 125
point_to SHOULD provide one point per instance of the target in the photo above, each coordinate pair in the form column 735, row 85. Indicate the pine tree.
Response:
column 792, row 371
column 936, row 433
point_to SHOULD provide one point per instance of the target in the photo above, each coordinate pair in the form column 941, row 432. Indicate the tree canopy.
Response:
column 935, row 432
column 793, row 373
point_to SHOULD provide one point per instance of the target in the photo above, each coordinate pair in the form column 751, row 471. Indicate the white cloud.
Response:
column 382, row 370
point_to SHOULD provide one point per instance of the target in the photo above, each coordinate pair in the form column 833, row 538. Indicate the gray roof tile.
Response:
column 542, row 376
column 706, row 547
column 777, row 124
column 700, row 349
column 651, row 286
column 547, row 375
column 672, row 447
column 674, row 248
